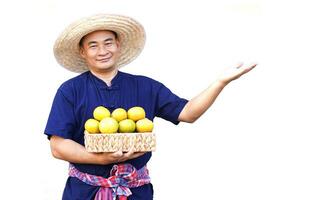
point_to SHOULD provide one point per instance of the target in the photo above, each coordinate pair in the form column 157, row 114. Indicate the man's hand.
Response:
column 235, row 72
column 119, row 156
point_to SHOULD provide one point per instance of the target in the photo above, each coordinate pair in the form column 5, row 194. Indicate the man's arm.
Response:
column 200, row 104
column 71, row 151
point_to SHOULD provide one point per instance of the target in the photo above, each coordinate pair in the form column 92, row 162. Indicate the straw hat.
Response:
column 129, row 32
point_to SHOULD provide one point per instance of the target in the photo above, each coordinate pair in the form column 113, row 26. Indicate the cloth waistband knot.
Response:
column 122, row 177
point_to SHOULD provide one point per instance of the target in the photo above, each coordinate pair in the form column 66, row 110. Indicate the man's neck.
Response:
column 106, row 76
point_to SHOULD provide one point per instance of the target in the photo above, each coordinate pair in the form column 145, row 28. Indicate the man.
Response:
column 97, row 46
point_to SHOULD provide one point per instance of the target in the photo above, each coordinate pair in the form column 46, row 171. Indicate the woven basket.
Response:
column 119, row 141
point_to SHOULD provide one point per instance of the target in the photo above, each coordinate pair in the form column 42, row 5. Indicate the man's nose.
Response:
column 102, row 50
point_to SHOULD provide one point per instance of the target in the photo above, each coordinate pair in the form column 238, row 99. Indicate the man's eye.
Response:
column 108, row 43
column 92, row 47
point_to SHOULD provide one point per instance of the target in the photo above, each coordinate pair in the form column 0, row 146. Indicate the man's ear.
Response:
column 118, row 43
column 82, row 52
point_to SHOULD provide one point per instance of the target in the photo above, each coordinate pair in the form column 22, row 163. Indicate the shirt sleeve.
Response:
column 169, row 105
column 61, row 120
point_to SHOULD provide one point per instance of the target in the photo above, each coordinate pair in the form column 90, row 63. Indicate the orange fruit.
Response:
column 92, row 126
column 119, row 114
column 108, row 125
column 136, row 113
column 144, row 125
column 127, row 126
column 101, row 112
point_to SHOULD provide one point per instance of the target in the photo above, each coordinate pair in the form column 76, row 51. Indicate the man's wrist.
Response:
column 220, row 83
column 98, row 158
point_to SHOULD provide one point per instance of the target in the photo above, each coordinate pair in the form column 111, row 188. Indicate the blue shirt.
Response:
column 75, row 101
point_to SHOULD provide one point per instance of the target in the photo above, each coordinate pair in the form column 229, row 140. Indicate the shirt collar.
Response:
column 114, row 82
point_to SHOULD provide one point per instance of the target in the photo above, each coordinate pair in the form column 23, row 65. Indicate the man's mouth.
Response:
column 103, row 59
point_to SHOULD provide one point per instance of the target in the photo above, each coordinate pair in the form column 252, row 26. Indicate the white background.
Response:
column 252, row 144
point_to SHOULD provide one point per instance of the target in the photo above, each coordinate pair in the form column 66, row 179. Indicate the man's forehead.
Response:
column 100, row 33
column 98, row 36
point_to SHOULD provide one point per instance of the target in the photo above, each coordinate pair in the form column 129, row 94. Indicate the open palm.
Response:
column 235, row 72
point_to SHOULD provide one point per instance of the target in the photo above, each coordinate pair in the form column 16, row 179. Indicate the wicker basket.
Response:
column 120, row 141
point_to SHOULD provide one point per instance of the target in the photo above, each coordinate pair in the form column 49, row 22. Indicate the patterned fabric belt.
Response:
column 122, row 177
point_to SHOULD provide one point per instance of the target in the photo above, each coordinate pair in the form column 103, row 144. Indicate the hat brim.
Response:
column 130, row 34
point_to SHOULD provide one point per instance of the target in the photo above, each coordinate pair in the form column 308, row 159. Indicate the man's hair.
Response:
column 82, row 39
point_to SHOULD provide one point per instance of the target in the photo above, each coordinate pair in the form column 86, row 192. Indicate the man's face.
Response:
column 100, row 49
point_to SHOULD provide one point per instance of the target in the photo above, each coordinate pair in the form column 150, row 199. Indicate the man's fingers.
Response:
column 129, row 153
column 239, row 65
column 253, row 65
column 250, row 67
column 118, row 154
column 138, row 154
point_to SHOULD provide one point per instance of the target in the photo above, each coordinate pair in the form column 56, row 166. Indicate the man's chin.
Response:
column 106, row 65
column 106, row 68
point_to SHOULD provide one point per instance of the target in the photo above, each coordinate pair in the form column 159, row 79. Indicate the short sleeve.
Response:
column 169, row 105
column 61, row 120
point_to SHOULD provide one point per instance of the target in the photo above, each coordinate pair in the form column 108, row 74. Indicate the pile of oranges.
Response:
column 119, row 121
